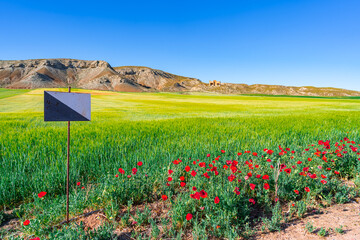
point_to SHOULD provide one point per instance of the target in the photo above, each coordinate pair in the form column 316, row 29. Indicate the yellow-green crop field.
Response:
column 155, row 129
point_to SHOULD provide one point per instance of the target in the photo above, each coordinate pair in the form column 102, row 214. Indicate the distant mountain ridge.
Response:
column 100, row 75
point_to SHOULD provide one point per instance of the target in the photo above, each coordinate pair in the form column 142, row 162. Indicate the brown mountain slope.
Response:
column 48, row 73
column 44, row 73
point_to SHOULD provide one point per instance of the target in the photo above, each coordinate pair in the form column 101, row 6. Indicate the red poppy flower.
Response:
column 323, row 181
column 117, row 175
column 187, row 168
column 239, row 153
column 231, row 177
column 305, row 169
column 193, row 173
column 189, row 216
column 78, row 183
column 268, row 160
column 202, row 164
column 203, row 194
column 195, row 196
column 254, row 154
column 299, row 162
column 170, row 171
column 266, row 186
column 258, row 176
column 129, row 176
column 169, row 179
column 42, row 194
column 233, row 169
column 323, row 176
column 121, row 171
column 194, row 188
column 26, row 222
column 265, row 177
column 309, row 159
column 182, row 178
column 164, row 197
column 222, row 151
column 37, row 238
column 252, row 201
column 213, row 169
column 252, row 186
column 336, row 172
column 183, row 184
column 270, row 152
column 206, row 175
column 313, row 176
column 296, row 191
column 287, row 170
column 216, row 200
column 307, row 189
column 134, row 171
column 83, row 187
column 140, row 164
column 208, row 155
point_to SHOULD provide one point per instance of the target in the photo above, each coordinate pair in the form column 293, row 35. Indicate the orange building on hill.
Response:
column 214, row 83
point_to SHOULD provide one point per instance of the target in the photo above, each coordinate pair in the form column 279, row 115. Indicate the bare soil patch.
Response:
column 346, row 215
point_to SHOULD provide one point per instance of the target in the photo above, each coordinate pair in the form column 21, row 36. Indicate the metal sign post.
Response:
column 62, row 106
column 68, row 170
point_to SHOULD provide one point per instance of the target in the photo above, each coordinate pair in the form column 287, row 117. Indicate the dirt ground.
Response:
column 346, row 215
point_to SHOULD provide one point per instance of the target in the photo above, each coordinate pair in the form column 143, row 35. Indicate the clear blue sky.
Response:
column 288, row 42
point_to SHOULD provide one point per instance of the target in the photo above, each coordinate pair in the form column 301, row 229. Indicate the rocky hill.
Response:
column 49, row 73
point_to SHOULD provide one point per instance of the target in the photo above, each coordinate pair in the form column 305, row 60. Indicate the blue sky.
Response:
column 292, row 42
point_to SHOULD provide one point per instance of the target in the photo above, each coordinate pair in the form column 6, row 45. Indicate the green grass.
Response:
column 266, row 95
column 155, row 128
column 149, row 106
column 6, row 93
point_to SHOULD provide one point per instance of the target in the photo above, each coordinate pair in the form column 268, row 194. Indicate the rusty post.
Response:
column 68, row 170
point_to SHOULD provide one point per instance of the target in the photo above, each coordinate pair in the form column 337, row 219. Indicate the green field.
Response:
column 155, row 128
